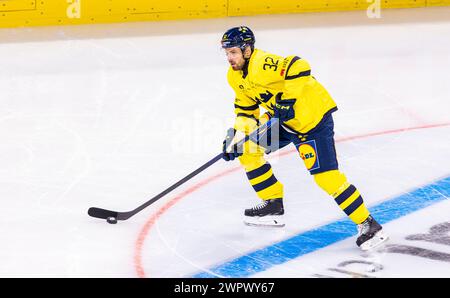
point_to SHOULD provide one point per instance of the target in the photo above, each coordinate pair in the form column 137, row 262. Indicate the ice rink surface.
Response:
column 110, row 115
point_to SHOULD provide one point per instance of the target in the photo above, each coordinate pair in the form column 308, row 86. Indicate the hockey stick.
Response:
column 255, row 136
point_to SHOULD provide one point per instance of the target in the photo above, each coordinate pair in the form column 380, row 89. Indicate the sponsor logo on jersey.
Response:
column 308, row 152
column 283, row 67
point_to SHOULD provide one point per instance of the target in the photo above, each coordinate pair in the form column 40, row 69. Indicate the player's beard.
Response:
column 237, row 66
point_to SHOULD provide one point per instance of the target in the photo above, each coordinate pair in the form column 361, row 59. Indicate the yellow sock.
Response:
column 264, row 183
column 345, row 194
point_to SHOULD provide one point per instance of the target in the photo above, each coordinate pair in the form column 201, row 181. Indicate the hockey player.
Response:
column 285, row 88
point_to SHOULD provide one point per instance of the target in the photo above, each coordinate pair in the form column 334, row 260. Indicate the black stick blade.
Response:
column 101, row 213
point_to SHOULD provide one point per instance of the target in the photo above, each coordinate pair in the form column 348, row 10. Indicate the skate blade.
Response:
column 377, row 240
column 265, row 221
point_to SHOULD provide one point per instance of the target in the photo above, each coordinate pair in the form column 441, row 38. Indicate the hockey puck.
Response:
column 111, row 220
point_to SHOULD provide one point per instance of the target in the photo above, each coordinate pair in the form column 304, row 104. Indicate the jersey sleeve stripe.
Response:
column 292, row 62
column 247, row 116
column 302, row 74
column 249, row 108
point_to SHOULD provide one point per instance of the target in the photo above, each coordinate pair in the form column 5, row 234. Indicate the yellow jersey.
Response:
column 267, row 76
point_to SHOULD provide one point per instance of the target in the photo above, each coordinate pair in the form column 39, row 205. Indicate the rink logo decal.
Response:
column 308, row 152
column 437, row 234
column 320, row 237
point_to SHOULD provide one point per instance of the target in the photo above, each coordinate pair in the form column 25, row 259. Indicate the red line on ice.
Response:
column 151, row 221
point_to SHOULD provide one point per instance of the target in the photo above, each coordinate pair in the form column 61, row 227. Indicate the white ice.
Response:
column 110, row 115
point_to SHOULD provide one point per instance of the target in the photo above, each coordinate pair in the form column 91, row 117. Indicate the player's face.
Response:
column 235, row 58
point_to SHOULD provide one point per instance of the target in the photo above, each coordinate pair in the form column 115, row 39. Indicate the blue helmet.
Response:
column 239, row 37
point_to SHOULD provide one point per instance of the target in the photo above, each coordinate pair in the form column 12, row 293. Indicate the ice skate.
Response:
column 370, row 234
column 268, row 213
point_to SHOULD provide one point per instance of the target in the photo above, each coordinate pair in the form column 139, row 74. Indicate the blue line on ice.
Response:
column 309, row 241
